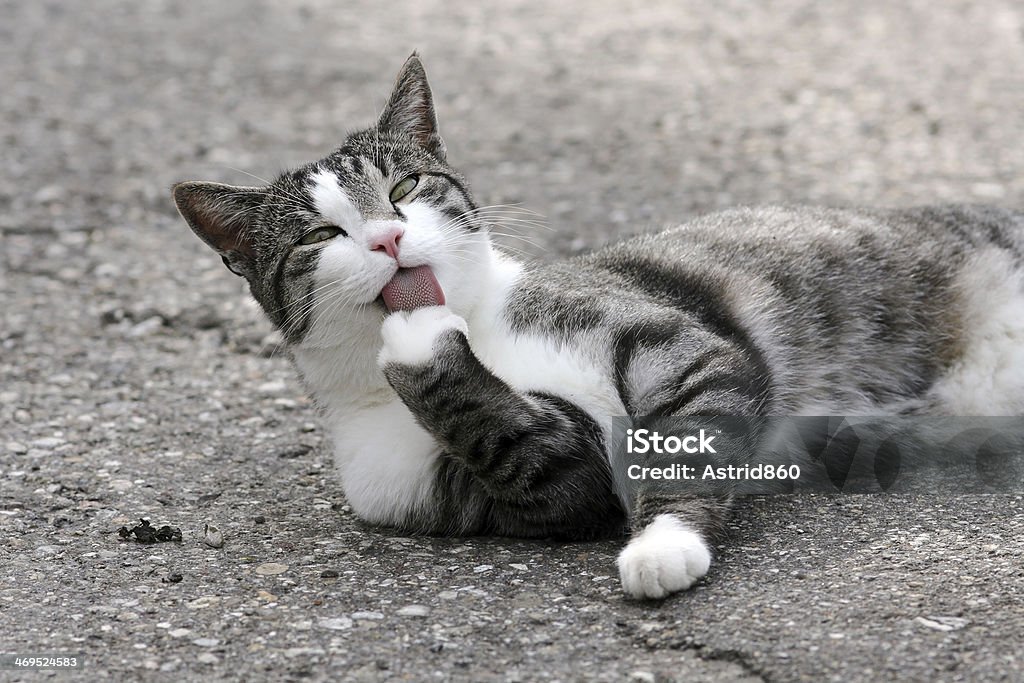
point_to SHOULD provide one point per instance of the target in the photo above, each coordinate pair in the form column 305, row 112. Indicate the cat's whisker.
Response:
column 515, row 236
column 251, row 175
column 513, row 216
column 308, row 294
column 540, row 220
column 513, row 250
column 272, row 187
column 517, row 208
column 520, row 238
column 309, row 303
column 341, row 304
column 513, row 223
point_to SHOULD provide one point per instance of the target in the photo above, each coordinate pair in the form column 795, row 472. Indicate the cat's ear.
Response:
column 222, row 216
column 410, row 109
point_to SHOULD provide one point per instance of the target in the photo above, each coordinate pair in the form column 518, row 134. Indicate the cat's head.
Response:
column 320, row 244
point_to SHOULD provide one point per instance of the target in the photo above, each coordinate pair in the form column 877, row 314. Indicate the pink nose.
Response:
column 387, row 242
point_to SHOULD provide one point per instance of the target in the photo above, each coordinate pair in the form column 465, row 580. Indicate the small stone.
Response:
column 274, row 387
column 520, row 567
column 206, row 319
column 447, row 595
column 47, row 442
column 414, row 611
column 213, row 537
column 206, row 642
column 329, row 574
column 207, row 658
column 49, row 194
column 367, row 616
column 294, row 451
column 336, row 623
column 46, row 550
column 203, row 601
column 641, row 677
column 271, row 568
column 943, row 623
column 179, row 632
column 146, row 327
column 17, row 448
column 172, row 578
column 480, row 569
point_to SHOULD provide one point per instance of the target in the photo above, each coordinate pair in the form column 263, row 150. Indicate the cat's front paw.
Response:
column 666, row 557
column 410, row 336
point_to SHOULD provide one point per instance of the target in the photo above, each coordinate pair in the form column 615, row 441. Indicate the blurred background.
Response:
column 603, row 116
column 138, row 380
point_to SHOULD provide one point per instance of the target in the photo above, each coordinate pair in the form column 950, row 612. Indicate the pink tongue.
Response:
column 412, row 288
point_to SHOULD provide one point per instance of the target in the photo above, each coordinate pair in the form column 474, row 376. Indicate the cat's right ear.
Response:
column 222, row 216
column 410, row 109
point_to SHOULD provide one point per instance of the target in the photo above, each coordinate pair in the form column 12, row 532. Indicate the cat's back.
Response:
column 841, row 255
column 801, row 236
column 915, row 290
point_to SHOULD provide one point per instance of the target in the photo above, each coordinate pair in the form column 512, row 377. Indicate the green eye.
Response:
column 399, row 191
column 321, row 235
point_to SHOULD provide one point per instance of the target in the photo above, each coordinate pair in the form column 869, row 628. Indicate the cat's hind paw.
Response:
column 409, row 336
column 666, row 557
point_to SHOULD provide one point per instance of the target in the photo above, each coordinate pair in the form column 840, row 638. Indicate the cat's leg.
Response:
column 540, row 459
column 674, row 522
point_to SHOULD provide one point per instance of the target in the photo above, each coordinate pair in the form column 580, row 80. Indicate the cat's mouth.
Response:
column 412, row 288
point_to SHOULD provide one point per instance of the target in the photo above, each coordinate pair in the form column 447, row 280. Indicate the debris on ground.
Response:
column 146, row 533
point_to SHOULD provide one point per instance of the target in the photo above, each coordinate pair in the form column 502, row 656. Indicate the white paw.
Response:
column 666, row 557
column 409, row 336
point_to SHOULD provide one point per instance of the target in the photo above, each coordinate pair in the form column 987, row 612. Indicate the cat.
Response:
column 465, row 392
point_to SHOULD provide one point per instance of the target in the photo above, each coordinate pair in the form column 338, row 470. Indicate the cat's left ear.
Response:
column 410, row 109
column 222, row 216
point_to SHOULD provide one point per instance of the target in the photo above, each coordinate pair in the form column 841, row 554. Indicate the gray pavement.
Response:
column 136, row 380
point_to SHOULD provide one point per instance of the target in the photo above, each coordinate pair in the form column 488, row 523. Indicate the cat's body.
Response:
column 492, row 413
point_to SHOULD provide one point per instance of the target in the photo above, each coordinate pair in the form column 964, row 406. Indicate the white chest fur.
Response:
column 386, row 461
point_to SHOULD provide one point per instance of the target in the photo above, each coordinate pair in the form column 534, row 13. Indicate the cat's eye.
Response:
column 399, row 191
column 321, row 235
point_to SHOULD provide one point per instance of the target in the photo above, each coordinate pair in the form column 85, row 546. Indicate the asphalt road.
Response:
column 136, row 380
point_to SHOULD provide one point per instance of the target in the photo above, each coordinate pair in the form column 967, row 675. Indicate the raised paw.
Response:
column 409, row 336
column 666, row 557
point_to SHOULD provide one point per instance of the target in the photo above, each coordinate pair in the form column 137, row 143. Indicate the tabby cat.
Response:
column 466, row 392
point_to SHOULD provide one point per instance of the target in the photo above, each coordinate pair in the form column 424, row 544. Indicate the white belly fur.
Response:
column 988, row 379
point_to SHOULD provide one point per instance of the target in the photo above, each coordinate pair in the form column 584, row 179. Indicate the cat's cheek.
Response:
column 410, row 337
